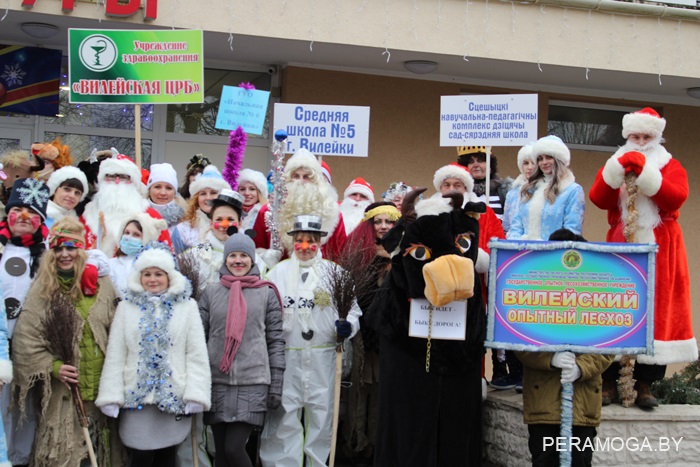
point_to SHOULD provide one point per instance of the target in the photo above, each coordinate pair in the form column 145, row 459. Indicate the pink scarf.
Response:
column 238, row 313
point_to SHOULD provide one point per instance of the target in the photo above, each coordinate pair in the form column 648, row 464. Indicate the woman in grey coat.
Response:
column 243, row 324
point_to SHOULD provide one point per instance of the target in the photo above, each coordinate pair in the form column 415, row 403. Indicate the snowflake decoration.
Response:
column 34, row 192
column 13, row 75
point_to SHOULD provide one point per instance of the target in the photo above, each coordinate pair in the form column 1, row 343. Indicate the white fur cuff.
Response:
column 649, row 181
column 482, row 262
column 5, row 371
column 667, row 352
column 614, row 173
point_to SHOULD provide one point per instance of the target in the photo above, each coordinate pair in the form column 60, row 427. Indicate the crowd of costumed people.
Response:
column 151, row 319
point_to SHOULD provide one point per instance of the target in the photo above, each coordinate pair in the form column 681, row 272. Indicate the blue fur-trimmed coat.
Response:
column 537, row 218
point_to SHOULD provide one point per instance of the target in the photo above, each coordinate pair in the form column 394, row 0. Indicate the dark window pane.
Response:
column 591, row 127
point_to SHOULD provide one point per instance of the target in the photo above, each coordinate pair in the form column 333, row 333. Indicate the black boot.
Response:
column 645, row 399
column 610, row 393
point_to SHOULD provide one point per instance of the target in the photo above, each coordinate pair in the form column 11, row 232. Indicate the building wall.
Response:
column 511, row 31
column 404, row 141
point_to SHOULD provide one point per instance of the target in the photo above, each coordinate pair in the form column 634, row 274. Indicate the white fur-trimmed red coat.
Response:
column 662, row 188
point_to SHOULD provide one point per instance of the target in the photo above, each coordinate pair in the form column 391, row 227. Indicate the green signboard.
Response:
column 135, row 66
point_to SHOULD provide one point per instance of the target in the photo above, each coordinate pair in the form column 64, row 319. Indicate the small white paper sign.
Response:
column 449, row 322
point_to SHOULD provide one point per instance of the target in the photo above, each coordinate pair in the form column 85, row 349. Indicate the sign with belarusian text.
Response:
column 135, row 66
column 329, row 130
column 488, row 120
column 582, row 297
column 242, row 107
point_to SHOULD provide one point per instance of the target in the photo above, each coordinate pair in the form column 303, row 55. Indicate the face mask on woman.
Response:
column 130, row 245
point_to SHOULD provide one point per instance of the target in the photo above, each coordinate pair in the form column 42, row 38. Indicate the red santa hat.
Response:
column 552, row 146
column 256, row 178
column 360, row 185
column 453, row 170
column 646, row 121
column 119, row 164
column 66, row 173
column 326, row 171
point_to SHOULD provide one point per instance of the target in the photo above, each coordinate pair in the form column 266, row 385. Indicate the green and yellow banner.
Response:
column 135, row 66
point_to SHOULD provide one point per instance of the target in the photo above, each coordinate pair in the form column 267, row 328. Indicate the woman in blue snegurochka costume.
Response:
column 551, row 199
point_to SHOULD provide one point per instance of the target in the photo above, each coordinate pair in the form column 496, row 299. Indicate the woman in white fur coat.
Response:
column 157, row 368
column 551, row 199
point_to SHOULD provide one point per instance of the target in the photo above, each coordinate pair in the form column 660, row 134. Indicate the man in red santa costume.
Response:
column 118, row 198
column 307, row 193
column 662, row 188
column 357, row 196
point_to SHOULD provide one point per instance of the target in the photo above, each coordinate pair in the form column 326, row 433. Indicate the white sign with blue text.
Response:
column 488, row 120
column 242, row 107
column 329, row 130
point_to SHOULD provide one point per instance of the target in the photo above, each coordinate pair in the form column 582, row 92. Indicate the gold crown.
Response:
column 464, row 150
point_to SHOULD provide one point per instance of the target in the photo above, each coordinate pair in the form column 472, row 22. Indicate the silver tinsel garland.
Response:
column 279, row 190
column 153, row 370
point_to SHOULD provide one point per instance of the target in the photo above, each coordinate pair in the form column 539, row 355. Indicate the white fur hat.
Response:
column 65, row 173
column 209, row 178
column 150, row 226
column 525, row 153
column 360, row 185
column 120, row 164
column 646, row 121
column 256, row 178
column 303, row 158
column 160, row 258
column 552, row 146
column 453, row 170
column 162, row 173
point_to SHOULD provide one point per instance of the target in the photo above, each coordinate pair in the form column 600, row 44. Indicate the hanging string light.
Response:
column 613, row 38
column 466, row 31
column 485, row 37
column 540, row 20
column 565, row 23
column 658, row 46
column 588, row 43
column 387, row 33
column 678, row 45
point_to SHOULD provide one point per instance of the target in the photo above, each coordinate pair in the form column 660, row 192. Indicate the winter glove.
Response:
column 569, row 375
column 274, row 393
column 99, row 259
column 632, row 161
column 343, row 328
column 482, row 262
column 88, row 283
column 271, row 257
column 193, row 407
column 111, row 410
column 564, row 360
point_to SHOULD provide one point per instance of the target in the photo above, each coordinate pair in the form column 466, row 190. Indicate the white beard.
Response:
column 353, row 213
column 308, row 198
column 116, row 202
